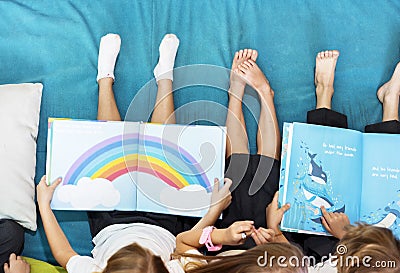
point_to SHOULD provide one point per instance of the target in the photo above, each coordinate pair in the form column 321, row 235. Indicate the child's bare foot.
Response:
column 253, row 75
column 325, row 64
column 390, row 91
column 389, row 94
column 237, row 84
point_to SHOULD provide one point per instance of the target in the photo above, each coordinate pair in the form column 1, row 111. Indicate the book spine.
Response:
column 287, row 167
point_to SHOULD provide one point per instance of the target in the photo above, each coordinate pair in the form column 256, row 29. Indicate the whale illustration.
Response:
column 389, row 218
column 317, row 196
column 315, row 171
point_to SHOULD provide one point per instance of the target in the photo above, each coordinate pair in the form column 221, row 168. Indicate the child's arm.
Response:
column 233, row 235
column 274, row 218
column 220, row 200
column 59, row 245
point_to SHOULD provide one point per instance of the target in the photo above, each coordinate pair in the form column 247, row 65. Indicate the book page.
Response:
column 177, row 167
column 96, row 160
column 380, row 203
column 322, row 168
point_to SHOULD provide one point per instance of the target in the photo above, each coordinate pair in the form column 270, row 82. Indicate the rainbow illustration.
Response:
column 127, row 153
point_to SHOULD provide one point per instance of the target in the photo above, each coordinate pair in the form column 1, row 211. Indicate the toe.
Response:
column 249, row 52
column 251, row 62
column 335, row 53
column 240, row 53
column 326, row 53
column 254, row 55
column 246, row 65
column 242, row 68
column 245, row 53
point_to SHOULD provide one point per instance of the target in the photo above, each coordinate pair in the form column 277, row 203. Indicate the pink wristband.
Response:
column 205, row 239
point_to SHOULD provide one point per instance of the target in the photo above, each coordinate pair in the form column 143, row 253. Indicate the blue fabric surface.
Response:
column 56, row 43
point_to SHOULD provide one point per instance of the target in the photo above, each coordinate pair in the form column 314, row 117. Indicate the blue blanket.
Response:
column 56, row 43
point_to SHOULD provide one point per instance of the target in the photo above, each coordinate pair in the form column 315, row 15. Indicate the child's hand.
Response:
column 16, row 265
column 275, row 214
column 334, row 222
column 45, row 192
column 221, row 198
column 263, row 235
column 238, row 232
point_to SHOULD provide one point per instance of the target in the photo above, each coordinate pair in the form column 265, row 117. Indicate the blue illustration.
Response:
column 390, row 218
column 315, row 172
column 344, row 171
column 316, row 190
column 380, row 202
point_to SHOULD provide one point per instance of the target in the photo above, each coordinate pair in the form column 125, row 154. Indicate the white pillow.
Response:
column 19, row 120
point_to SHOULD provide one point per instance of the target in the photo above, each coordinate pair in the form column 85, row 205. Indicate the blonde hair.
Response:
column 134, row 259
column 257, row 259
column 376, row 245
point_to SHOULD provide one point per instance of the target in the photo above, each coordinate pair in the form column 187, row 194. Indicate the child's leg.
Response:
column 268, row 135
column 237, row 141
column 238, row 162
column 108, row 52
column 388, row 95
column 260, row 179
column 164, row 111
column 325, row 65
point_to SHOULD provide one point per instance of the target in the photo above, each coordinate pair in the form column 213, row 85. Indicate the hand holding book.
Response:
column 275, row 213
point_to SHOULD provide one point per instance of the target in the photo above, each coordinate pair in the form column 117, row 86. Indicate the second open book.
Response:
column 134, row 166
column 344, row 171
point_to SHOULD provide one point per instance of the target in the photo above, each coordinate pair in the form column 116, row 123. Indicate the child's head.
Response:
column 271, row 257
column 134, row 259
column 366, row 248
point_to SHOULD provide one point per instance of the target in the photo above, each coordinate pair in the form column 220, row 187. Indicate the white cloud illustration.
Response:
column 193, row 198
column 88, row 193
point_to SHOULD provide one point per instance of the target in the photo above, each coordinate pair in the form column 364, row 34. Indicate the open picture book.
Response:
column 134, row 166
column 344, row 171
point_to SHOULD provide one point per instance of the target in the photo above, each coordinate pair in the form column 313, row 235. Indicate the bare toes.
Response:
column 245, row 53
column 240, row 53
column 248, row 64
column 254, row 55
column 249, row 52
column 241, row 70
column 335, row 53
column 252, row 63
column 245, row 65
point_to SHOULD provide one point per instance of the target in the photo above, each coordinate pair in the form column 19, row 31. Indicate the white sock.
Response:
column 168, row 48
column 108, row 52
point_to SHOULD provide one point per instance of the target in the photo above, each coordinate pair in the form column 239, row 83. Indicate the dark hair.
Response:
column 134, row 259
column 258, row 259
